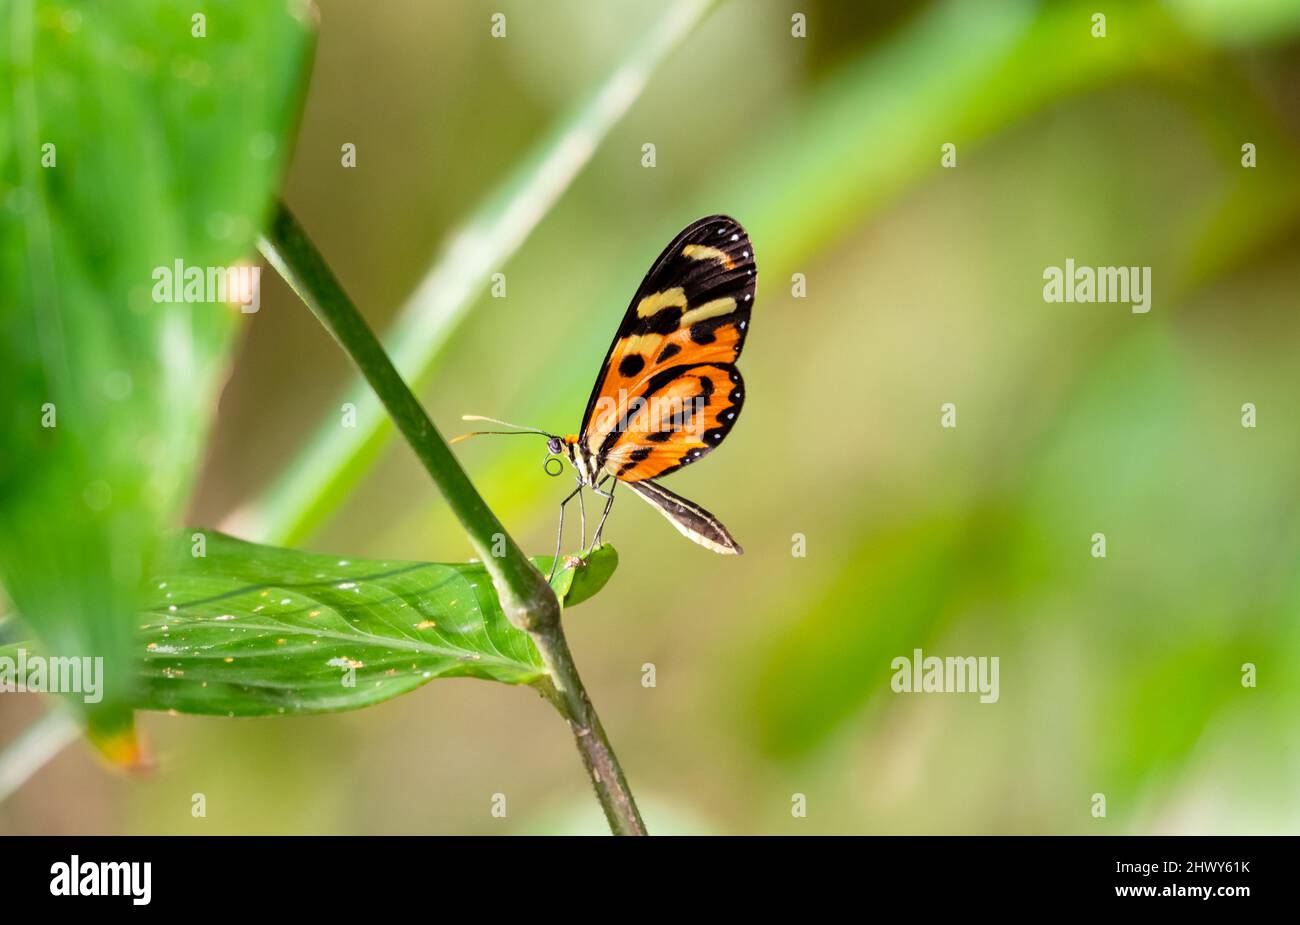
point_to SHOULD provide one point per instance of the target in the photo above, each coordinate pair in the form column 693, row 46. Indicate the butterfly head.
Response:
column 572, row 449
column 568, row 447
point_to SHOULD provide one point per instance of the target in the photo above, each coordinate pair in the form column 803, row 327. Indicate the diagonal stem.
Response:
column 565, row 691
column 526, row 598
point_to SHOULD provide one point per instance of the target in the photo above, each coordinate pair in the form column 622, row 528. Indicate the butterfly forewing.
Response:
column 669, row 391
column 681, row 419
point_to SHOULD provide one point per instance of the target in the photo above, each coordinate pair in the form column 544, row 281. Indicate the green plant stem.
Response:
column 526, row 597
column 574, row 705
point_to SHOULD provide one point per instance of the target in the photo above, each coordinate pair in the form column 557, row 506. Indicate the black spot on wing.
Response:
column 663, row 321
column 630, row 365
column 668, row 353
column 705, row 332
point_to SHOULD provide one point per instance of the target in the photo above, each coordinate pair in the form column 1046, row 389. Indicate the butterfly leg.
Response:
column 582, row 515
column 559, row 534
column 609, row 503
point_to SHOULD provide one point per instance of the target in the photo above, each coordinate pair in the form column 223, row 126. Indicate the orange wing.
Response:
column 669, row 391
column 675, row 422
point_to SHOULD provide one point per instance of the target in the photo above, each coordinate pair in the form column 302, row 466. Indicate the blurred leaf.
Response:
column 894, row 594
column 1026, row 57
column 1134, row 454
column 1238, row 22
column 250, row 630
column 10, row 630
column 1156, row 712
column 126, row 144
column 964, row 70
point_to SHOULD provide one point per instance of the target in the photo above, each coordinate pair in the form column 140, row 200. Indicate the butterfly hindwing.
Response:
column 691, row 520
column 679, row 339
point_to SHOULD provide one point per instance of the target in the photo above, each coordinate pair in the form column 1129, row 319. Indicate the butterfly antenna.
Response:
column 518, row 429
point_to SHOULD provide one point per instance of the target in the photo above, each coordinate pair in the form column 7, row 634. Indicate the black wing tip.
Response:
column 718, row 218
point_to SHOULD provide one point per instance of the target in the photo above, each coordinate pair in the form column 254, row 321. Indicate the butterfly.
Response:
column 669, row 391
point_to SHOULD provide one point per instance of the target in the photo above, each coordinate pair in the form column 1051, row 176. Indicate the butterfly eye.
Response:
column 554, row 445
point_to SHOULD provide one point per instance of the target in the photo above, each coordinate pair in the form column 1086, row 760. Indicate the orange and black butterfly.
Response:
column 669, row 391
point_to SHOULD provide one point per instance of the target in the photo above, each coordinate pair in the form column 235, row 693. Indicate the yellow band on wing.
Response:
column 658, row 301
column 708, row 310
column 704, row 252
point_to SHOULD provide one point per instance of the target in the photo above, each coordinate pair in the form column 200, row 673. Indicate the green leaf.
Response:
column 893, row 594
column 581, row 580
column 249, row 630
column 127, row 144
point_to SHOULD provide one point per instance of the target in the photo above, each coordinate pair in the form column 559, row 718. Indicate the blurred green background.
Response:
column 1119, row 676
